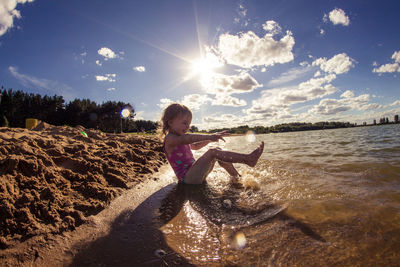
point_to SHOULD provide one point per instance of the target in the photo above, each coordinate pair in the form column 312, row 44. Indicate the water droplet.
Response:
column 227, row 203
column 240, row 240
column 160, row 253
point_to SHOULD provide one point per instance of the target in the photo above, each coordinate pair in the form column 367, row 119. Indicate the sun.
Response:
column 205, row 66
column 202, row 67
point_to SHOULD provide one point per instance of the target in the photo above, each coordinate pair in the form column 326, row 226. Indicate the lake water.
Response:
column 316, row 198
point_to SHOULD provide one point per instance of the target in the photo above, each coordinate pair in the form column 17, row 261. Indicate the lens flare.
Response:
column 250, row 137
column 125, row 113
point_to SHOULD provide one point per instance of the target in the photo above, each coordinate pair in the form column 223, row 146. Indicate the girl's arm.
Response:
column 173, row 140
column 199, row 145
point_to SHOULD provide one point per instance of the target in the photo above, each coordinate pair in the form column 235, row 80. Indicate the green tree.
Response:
column 194, row 129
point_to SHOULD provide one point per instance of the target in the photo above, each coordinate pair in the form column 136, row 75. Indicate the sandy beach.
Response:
column 53, row 179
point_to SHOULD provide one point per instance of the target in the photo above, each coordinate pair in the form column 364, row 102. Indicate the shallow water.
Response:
column 317, row 198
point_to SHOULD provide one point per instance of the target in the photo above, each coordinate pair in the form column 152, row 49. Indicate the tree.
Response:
column 3, row 121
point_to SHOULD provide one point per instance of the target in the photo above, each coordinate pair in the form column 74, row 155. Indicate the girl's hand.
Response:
column 220, row 135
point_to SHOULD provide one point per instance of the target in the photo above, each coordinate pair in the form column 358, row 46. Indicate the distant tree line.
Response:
column 17, row 106
column 286, row 127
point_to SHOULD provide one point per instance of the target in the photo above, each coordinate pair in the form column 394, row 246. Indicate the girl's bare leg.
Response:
column 228, row 166
column 203, row 166
column 233, row 157
column 199, row 170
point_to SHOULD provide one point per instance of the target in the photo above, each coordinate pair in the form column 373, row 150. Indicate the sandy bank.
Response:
column 53, row 177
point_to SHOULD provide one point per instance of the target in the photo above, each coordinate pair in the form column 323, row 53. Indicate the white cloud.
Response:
column 229, row 84
column 330, row 107
column 107, row 77
column 222, row 120
column 219, row 89
column 139, row 68
column 111, row 89
column 390, row 67
column 98, row 62
column 396, row 56
column 322, row 31
column 371, row 106
column 387, row 68
column 347, row 102
column 395, row 103
column 338, row 16
column 316, row 83
column 107, row 53
column 272, row 27
column 289, row 76
column 247, row 50
column 8, row 12
column 195, row 101
column 164, row 102
column 304, row 64
column 325, row 18
column 228, row 100
column 347, row 94
column 276, row 102
column 242, row 10
column 52, row 87
column 338, row 64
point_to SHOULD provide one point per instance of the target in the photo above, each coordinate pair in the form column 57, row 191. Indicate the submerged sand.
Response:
column 52, row 178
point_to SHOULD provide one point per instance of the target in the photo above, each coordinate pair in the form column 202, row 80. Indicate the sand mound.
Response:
column 53, row 177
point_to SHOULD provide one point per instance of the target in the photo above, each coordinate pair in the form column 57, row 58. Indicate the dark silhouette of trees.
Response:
column 17, row 106
column 144, row 125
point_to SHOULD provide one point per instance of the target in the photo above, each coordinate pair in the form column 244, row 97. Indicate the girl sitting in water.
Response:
column 178, row 143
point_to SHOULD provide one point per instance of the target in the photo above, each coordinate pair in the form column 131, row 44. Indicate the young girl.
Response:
column 178, row 143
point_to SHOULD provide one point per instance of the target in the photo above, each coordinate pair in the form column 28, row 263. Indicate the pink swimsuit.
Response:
column 181, row 158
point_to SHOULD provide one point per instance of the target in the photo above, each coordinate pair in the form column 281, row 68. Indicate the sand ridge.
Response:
column 53, row 177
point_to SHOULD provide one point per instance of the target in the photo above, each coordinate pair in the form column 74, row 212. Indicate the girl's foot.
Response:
column 255, row 155
column 235, row 178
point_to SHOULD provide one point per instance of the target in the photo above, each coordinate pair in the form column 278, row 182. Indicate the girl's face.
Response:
column 180, row 124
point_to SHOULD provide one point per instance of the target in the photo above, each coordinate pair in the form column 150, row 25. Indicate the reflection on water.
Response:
column 316, row 198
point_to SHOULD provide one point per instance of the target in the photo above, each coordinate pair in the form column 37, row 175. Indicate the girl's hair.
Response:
column 170, row 113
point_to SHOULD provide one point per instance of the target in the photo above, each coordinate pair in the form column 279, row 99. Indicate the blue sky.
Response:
column 258, row 62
